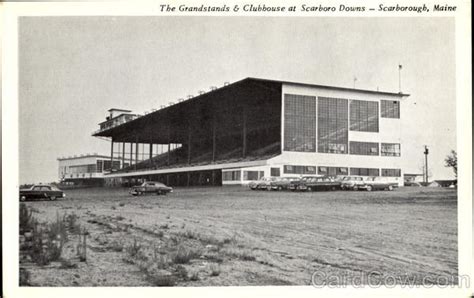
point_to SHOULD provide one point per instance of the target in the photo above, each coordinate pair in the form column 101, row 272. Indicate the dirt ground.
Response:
column 234, row 236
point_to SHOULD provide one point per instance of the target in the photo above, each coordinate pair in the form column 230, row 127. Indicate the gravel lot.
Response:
column 243, row 237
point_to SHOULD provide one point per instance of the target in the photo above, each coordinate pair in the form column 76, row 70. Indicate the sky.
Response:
column 73, row 69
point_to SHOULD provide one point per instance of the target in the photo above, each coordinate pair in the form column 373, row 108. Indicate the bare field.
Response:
column 233, row 236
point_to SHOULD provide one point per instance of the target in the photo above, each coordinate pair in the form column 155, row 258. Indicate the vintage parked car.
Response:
column 41, row 192
column 281, row 183
column 320, row 183
column 352, row 182
column 150, row 187
column 278, row 183
column 376, row 183
column 263, row 183
column 295, row 185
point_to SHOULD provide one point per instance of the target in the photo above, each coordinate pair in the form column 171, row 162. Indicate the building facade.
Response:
column 86, row 169
column 255, row 127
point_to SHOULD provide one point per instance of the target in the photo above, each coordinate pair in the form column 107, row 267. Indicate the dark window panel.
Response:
column 364, row 148
column 332, row 125
column 300, row 123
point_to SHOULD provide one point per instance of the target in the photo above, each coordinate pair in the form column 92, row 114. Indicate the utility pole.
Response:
column 426, row 163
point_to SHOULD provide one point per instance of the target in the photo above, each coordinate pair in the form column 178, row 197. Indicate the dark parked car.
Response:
column 150, row 187
column 295, row 185
column 375, row 183
column 320, row 183
column 41, row 192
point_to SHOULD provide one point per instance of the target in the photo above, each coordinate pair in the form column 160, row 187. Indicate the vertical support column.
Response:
column 151, row 151
column 214, row 138
column 189, row 142
column 244, row 132
column 169, row 145
column 111, row 153
column 136, row 153
column 123, row 155
column 131, row 154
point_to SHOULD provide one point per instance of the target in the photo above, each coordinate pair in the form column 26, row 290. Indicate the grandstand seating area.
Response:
column 179, row 158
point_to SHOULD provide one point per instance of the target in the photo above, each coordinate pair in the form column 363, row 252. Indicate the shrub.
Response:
column 184, row 255
column 135, row 250
column 214, row 269
column 27, row 220
column 25, row 277
column 115, row 245
column 194, row 276
column 162, row 280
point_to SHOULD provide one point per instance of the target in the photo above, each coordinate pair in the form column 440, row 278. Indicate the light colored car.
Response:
column 376, row 183
column 352, row 182
column 150, row 187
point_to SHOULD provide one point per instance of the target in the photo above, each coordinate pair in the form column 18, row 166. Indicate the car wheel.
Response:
column 52, row 198
column 269, row 188
column 369, row 188
column 23, row 198
column 390, row 188
column 310, row 188
column 355, row 187
column 280, row 188
column 333, row 188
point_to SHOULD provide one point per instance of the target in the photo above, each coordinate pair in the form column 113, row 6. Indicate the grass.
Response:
column 374, row 229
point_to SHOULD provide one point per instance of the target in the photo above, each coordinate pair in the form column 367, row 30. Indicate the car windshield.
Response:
column 54, row 188
column 346, row 178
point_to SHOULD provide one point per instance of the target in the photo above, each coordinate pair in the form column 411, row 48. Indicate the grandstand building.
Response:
column 257, row 127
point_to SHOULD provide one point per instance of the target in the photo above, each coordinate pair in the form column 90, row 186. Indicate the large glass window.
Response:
column 391, row 172
column 231, row 176
column 332, row 125
column 365, row 172
column 364, row 115
column 390, row 149
column 332, row 171
column 250, row 175
column 275, row 172
column 364, row 148
column 300, row 123
column 299, row 169
column 390, row 109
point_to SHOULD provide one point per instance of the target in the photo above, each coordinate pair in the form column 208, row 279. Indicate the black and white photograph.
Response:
column 198, row 149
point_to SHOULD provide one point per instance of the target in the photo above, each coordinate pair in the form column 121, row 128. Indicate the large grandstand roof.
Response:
column 170, row 123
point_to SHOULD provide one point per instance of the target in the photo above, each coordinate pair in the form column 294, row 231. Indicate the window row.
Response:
column 332, row 171
column 340, row 171
column 391, row 172
column 364, row 148
column 231, row 176
column 287, row 169
column 253, row 175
